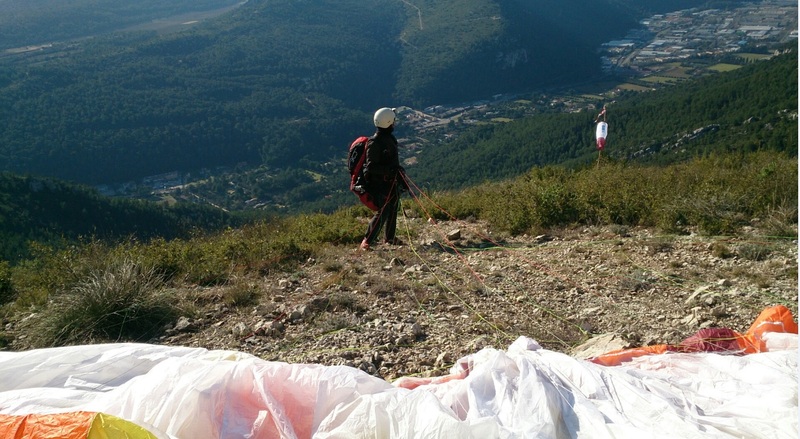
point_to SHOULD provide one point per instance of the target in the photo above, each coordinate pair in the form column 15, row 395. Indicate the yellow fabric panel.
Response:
column 111, row 427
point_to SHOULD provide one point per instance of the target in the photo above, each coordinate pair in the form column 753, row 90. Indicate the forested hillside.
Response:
column 753, row 108
column 33, row 22
column 281, row 82
column 464, row 49
column 745, row 110
column 53, row 213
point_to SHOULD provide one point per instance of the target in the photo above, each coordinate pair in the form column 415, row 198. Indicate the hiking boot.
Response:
column 394, row 241
column 364, row 246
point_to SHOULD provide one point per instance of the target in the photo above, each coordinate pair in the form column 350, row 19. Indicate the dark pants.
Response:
column 387, row 199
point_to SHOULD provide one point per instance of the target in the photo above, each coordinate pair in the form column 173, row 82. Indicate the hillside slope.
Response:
column 465, row 49
column 279, row 82
column 746, row 110
column 415, row 310
column 650, row 253
column 50, row 212
column 752, row 108
column 35, row 22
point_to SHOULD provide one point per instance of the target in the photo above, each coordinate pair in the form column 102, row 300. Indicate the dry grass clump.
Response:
column 125, row 301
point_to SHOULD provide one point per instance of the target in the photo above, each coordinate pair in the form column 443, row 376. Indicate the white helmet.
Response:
column 384, row 117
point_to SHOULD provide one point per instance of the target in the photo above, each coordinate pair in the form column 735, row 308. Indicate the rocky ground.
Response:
column 454, row 288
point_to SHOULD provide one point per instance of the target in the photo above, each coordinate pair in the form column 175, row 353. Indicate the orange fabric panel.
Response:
column 73, row 425
column 751, row 344
column 615, row 358
column 10, row 425
column 773, row 319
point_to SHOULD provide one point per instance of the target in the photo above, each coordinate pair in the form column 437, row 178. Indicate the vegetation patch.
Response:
column 724, row 67
column 660, row 79
column 98, row 291
column 754, row 251
column 677, row 71
column 633, row 87
column 124, row 302
column 753, row 56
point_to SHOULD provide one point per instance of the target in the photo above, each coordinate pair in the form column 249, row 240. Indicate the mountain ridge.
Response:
column 752, row 119
column 272, row 83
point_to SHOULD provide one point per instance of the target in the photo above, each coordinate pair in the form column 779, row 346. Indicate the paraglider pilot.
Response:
column 384, row 177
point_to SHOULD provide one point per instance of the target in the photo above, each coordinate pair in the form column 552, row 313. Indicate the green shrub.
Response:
column 716, row 194
column 241, row 294
column 51, row 270
column 125, row 301
column 469, row 203
column 753, row 252
column 716, row 211
column 310, row 231
column 720, row 250
column 671, row 219
column 506, row 212
column 554, row 205
column 615, row 194
column 780, row 223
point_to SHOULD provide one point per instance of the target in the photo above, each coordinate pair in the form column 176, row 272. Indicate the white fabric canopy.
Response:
column 524, row 391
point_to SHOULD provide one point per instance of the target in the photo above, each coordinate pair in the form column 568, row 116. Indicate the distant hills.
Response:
column 36, row 22
column 287, row 84
column 750, row 109
column 745, row 110
column 53, row 212
column 472, row 49
column 278, row 83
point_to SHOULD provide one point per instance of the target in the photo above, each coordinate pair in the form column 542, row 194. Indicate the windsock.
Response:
column 602, row 114
column 602, row 133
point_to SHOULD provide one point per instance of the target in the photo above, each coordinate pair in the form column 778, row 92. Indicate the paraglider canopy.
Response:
column 718, row 383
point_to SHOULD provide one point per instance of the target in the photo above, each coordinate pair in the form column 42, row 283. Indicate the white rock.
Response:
column 599, row 345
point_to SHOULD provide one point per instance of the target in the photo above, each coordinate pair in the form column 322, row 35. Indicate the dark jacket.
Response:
column 382, row 162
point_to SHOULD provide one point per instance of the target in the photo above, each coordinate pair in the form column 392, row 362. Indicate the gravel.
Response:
column 455, row 288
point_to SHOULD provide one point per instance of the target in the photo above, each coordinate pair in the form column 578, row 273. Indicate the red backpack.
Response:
column 355, row 164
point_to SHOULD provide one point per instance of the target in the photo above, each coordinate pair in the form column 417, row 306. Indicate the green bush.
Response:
column 50, row 270
column 780, row 223
column 612, row 194
column 123, row 302
column 509, row 210
column 716, row 194
column 715, row 212
column 753, row 251
column 554, row 204
column 468, row 203
column 241, row 294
